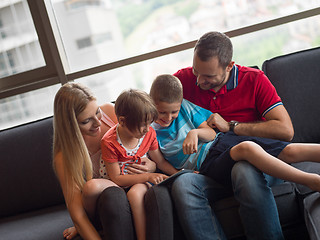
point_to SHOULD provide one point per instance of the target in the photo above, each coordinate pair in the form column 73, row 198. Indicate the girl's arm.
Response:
column 73, row 201
column 162, row 163
column 129, row 179
column 203, row 132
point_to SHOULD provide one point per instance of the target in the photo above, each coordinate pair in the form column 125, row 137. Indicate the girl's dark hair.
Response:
column 136, row 107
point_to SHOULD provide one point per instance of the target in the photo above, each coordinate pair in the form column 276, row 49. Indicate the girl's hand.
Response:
column 146, row 166
column 157, row 178
column 190, row 144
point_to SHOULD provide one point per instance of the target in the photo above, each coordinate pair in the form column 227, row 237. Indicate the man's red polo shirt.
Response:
column 246, row 97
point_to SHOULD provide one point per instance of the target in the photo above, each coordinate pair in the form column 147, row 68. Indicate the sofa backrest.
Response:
column 27, row 180
column 296, row 78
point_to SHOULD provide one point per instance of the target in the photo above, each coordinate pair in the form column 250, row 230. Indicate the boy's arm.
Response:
column 128, row 179
column 162, row 164
column 203, row 132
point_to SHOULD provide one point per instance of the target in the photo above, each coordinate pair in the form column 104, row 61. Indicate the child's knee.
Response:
column 137, row 192
column 245, row 147
column 288, row 153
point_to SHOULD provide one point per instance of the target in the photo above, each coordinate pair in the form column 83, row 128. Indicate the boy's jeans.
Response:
column 193, row 193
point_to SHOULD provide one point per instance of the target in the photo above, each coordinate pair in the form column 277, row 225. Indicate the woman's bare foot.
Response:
column 70, row 233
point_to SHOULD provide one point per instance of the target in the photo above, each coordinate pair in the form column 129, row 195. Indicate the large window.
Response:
column 19, row 46
column 126, row 28
column 110, row 45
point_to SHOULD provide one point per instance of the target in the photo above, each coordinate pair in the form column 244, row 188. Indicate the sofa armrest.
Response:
column 312, row 215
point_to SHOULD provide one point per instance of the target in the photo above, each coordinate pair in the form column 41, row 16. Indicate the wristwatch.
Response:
column 232, row 125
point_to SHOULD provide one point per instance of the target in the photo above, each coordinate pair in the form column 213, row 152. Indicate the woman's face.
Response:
column 89, row 120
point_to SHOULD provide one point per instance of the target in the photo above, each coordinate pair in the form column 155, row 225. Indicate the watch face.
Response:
column 232, row 124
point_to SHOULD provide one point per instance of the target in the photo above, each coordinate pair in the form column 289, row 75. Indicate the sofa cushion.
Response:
column 47, row 223
column 310, row 167
column 27, row 178
column 296, row 77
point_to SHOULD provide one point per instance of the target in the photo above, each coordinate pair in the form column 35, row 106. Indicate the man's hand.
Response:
column 216, row 121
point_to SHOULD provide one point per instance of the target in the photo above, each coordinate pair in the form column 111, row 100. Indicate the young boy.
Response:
column 186, row 141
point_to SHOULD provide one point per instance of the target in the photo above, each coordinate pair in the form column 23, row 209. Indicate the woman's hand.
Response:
column 146, row 166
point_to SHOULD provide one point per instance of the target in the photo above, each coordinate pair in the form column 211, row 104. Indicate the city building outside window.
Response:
column 98, row 32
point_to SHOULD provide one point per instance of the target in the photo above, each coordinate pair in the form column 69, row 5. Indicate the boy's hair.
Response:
column 136, row 107
column 166, row 88
column 214, row 44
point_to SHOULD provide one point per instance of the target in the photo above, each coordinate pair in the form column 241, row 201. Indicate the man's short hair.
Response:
column 214, row 44
column 166, row 88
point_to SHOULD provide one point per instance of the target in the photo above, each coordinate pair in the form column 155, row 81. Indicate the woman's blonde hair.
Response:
column 136, row 107
column 69, row 102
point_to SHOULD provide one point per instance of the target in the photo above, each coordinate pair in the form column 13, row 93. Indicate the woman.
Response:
column 79, row 124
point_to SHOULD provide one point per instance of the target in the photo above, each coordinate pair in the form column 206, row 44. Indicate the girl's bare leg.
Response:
column 253, row 153
column 136, row 199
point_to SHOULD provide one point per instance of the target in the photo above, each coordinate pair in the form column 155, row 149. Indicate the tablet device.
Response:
column 170, row 179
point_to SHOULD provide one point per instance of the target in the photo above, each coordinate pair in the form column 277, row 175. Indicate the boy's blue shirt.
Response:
column 171, row 138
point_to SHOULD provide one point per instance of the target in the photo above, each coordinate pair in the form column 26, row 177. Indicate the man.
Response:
column 244, row 101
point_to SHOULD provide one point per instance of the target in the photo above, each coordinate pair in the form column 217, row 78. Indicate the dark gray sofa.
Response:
column 296, row 77
column 32, row 205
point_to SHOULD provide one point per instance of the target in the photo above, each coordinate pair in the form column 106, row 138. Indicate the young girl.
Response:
column 129, row 142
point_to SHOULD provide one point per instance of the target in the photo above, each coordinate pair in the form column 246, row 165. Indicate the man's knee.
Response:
column 185, row 183
column 244, row 172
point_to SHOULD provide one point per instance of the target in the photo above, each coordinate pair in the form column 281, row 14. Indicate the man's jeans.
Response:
column 192, row 194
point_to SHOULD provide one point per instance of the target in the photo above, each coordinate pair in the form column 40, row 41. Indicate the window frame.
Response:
column 56, row 70
column 52, row 73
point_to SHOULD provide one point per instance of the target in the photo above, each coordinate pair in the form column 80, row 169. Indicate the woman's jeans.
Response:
column 193, row 193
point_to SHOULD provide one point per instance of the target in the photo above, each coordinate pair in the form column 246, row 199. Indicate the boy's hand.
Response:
column 190, row 144
column 216, row 121
column 157, row 178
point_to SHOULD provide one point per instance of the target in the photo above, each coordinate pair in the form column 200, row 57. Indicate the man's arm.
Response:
column 278, row 125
